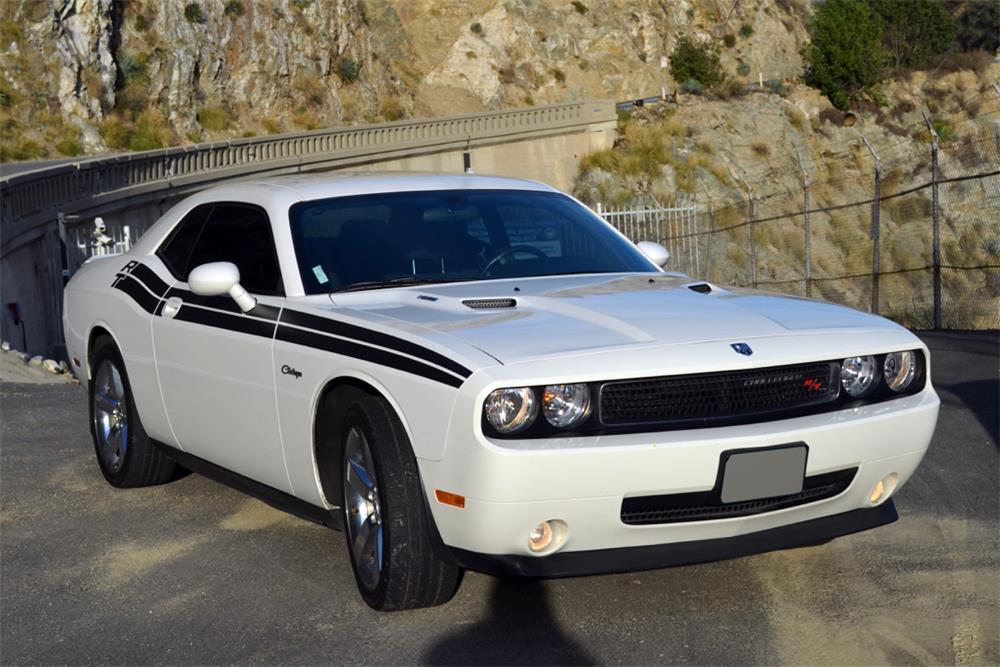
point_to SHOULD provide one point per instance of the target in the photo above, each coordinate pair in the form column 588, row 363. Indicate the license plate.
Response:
column 763, row 473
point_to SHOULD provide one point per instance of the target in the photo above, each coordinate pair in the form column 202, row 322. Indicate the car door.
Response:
column 214, row 362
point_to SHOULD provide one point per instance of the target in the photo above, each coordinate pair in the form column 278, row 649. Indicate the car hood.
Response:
column 565, row 315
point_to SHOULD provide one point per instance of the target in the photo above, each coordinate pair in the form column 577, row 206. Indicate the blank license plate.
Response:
column 764, row 473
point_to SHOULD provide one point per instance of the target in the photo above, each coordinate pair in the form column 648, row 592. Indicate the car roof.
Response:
column 340, row 184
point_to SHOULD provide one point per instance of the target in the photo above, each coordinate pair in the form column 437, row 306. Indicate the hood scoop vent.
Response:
column 489, row 304
column 700, row 288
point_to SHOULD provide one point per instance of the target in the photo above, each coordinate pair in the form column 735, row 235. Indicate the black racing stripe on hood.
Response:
column 354, row 332
column 370, row 354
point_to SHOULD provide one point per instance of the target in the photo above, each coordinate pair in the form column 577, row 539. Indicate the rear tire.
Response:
column 386, row 520
column 125, row 454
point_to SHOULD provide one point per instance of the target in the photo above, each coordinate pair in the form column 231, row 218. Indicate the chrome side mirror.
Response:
column 655, row 252
column 218, row 278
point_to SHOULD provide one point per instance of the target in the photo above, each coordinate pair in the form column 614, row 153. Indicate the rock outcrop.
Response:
column 136, row 74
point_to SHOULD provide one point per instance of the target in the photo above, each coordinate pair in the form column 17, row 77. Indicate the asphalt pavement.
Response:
column 194, row 572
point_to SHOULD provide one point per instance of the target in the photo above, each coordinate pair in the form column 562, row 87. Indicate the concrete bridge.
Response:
column 46, row 214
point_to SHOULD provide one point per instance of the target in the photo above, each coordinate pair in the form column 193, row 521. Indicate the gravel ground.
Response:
column 193, row 572
column 13, row 369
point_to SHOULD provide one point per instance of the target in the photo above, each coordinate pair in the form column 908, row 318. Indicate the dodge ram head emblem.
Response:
column 742, row 348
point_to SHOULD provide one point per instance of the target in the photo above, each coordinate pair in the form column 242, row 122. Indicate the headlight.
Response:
column 566, row 405
column 511, row 410
column 858, row 375
column 899, row 370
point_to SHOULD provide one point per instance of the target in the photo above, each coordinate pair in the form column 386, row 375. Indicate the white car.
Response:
column 472, row 372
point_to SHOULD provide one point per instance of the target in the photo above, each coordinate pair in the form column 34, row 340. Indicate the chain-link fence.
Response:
column 922, row 247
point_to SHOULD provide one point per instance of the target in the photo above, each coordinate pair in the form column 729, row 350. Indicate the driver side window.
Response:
column 226, row 232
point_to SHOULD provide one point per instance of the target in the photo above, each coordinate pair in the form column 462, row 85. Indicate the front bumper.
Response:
column 633, row 559
column 511, row 487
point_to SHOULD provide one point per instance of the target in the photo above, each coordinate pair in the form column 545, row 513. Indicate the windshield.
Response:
column 408, row 238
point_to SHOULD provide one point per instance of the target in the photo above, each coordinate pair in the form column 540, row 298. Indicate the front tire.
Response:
column 125, row 454
column 385, row 514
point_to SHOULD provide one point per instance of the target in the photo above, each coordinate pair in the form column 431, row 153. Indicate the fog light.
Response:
column 883, row 489
column 540, row 536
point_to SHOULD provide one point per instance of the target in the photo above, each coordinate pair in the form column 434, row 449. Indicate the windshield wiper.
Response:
column 396, row 282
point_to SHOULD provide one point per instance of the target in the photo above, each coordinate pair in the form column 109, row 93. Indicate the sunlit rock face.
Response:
column 217, row 69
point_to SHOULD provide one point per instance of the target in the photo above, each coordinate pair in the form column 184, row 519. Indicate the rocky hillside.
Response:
column 87, row 76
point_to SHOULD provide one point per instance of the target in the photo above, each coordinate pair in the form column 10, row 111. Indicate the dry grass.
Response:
column 391, row 109
column 213, row 119
column 312, row 88
column 270, row 124
column 642, row 151
column 306, row 119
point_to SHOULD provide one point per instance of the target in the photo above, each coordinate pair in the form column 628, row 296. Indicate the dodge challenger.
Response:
column 470, row 372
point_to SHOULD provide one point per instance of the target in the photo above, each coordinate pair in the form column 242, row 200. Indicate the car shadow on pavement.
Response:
column 982, row 399
column 520, row 630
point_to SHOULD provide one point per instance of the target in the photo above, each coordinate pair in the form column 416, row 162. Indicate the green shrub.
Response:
column 234, row 9
column 477, row 28
column 348, row 70
column 193, row 13
column 213, row 119
column 730, row 89
column 133, row 67
column 301, row 4
column 776, row 86
column 696, row 61
column 116, row 131
column 692, row 87
column 845, row 58
column 22, row 149
column 579, row 7
column 151, row 132
column 642, row 152
column 559, row 75
column 69, row 143
column 746, row 30
column 743, row 69
column 914, row 31
column 944, row 130
column 7, row 95
column 729, row 40
column 978, row 27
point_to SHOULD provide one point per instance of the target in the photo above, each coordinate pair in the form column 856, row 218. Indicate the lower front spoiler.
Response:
column 631, row 559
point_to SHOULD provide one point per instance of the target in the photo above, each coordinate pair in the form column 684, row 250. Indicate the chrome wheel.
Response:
column 110, row 416
column 361, row 505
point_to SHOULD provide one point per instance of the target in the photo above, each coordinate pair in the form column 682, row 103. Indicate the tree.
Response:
column 845, row 58
column 914, row 31
column 695, row 61
column 978, row 25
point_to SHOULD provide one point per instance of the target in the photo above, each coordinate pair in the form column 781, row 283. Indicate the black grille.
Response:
column 707, row 397
column 703, row 506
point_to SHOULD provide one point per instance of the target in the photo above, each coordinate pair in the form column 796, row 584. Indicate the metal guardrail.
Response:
column 29, row 201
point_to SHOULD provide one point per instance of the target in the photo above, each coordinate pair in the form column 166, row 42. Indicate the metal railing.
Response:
column 30, row 199
column 655, row 222
column 923, row 249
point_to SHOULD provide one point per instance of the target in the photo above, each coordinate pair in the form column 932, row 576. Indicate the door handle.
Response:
column 172, row 307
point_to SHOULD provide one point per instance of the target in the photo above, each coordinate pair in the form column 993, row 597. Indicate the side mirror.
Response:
column 655, row 252
column 218, row 278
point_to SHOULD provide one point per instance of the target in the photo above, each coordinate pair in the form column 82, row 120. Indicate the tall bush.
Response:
column 845, row 58
column 914, row 31
column 696, row 61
